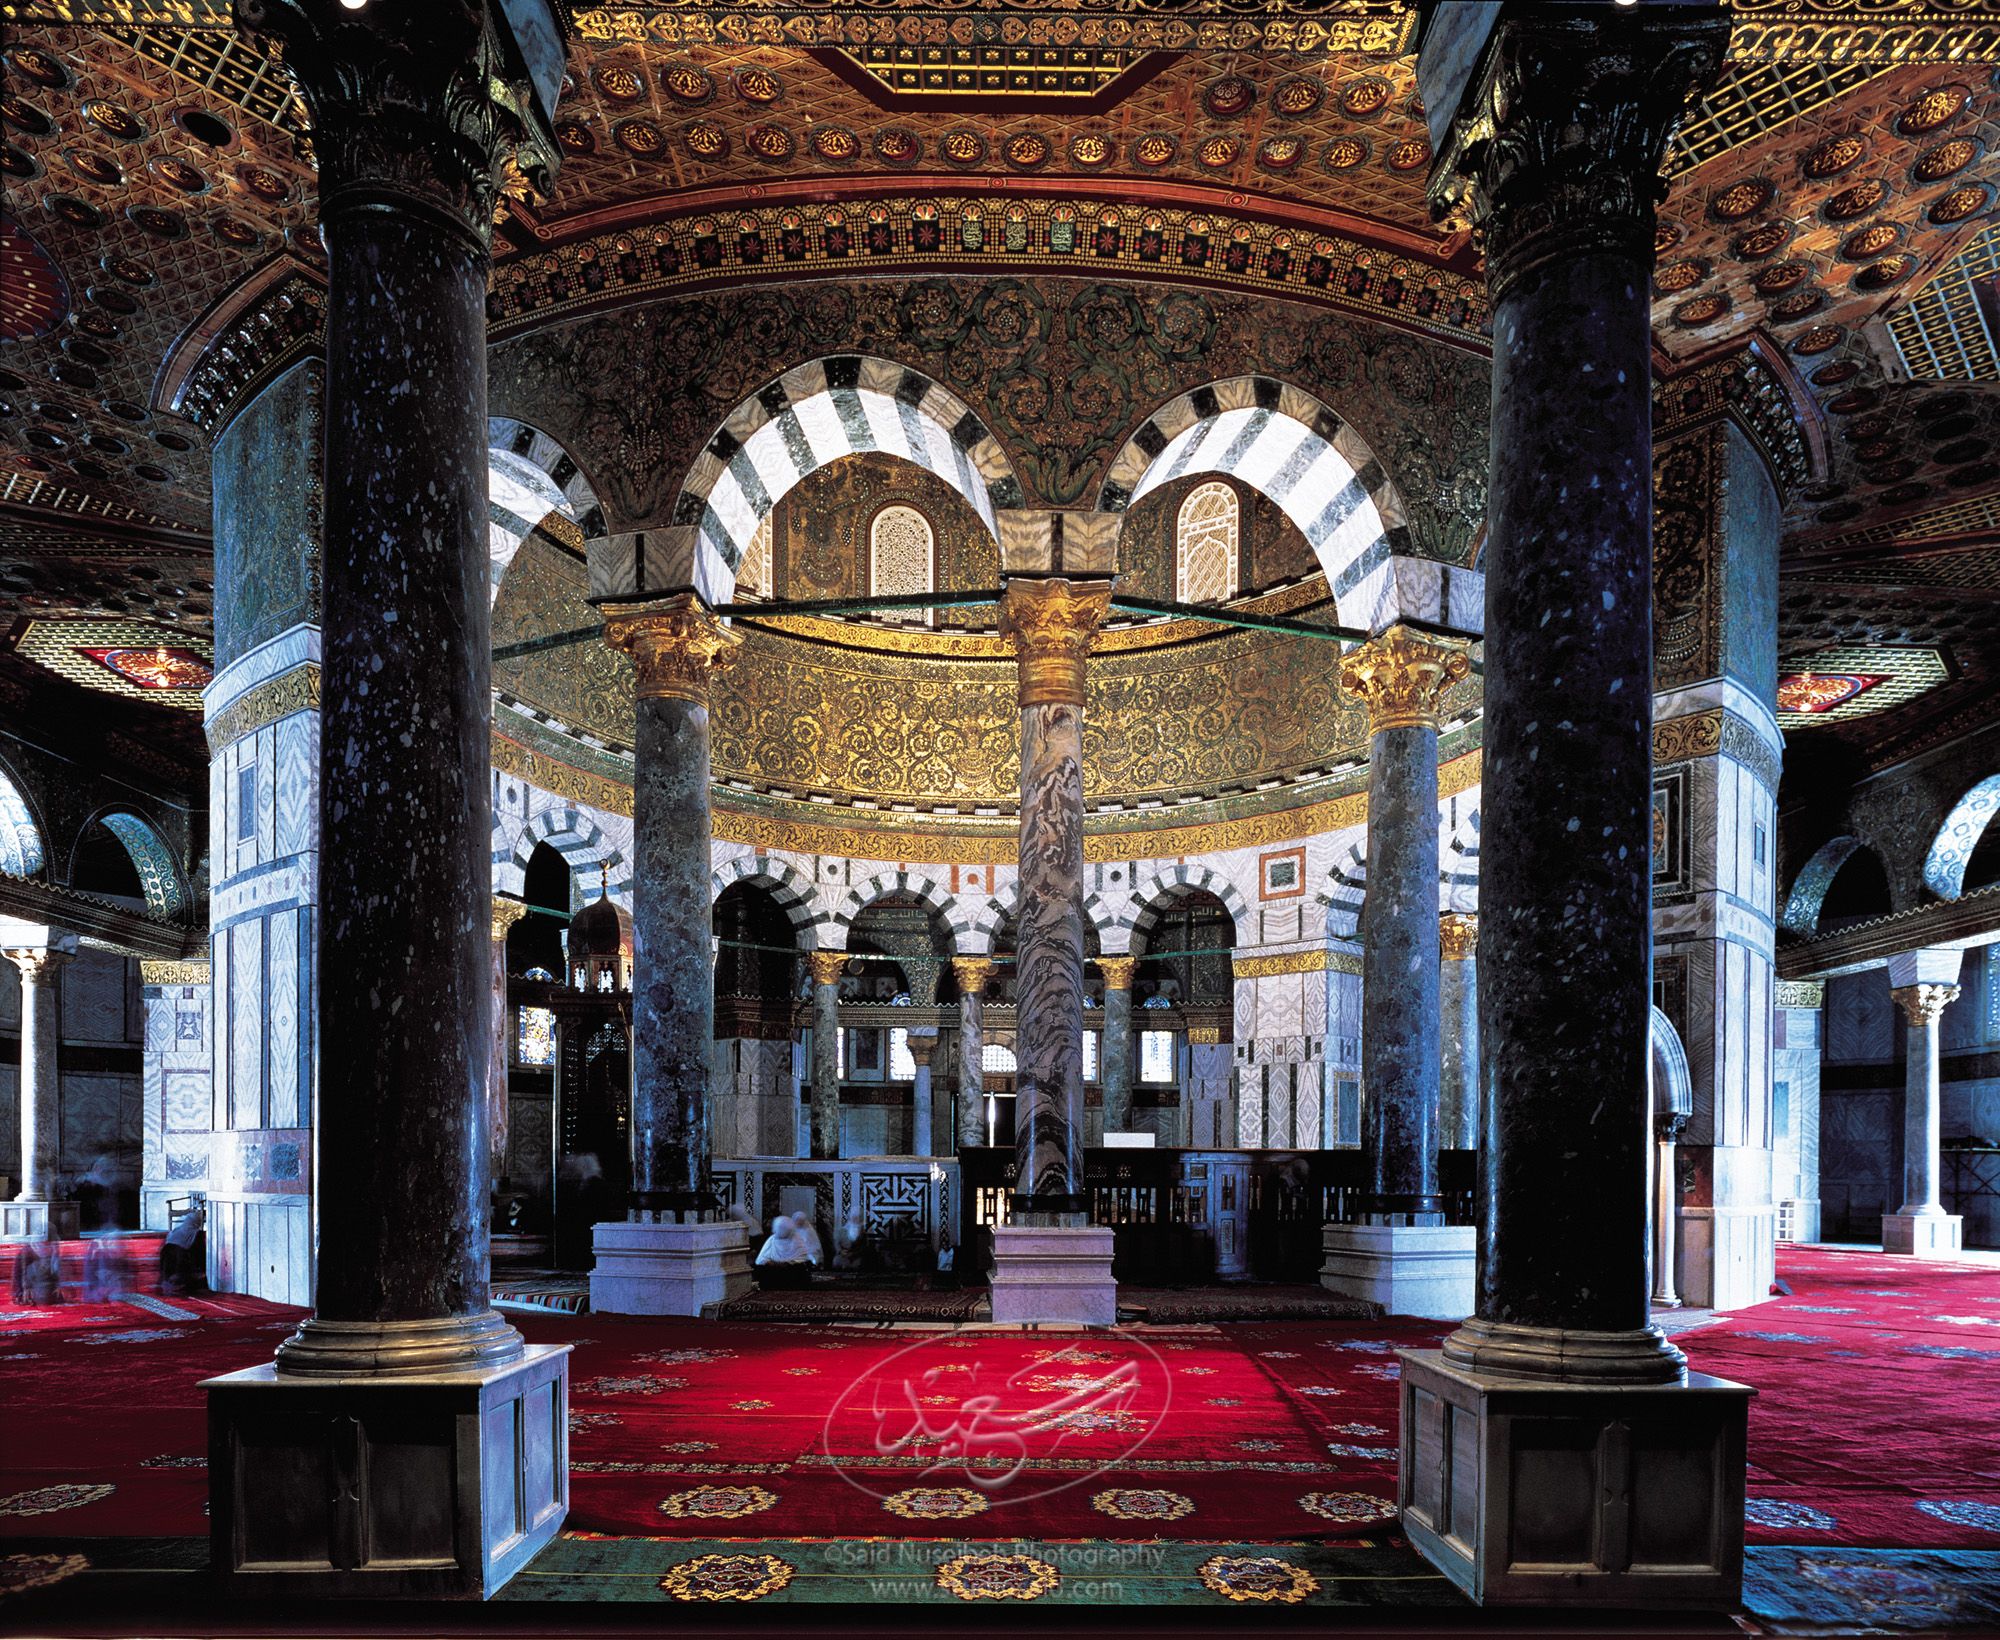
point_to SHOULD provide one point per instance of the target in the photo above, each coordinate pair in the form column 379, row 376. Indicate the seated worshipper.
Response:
column 38, row 1274
column 784, row 1261
column 183, row 1257
column 809, row 1234
column 854, row 1250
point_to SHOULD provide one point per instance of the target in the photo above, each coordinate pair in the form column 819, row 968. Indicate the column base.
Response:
column 667, row 1269
column 37, row 1221
column 1728, row 1256
column 1053, row 1273
column 415, row 1487
column 1575, row 1494
column 1923, row 1235
column 1409, row 1269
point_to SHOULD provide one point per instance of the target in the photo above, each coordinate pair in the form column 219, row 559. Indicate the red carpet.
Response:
column 1877, row 1422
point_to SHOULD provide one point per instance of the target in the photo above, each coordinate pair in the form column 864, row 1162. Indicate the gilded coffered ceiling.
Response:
column 1260, row 172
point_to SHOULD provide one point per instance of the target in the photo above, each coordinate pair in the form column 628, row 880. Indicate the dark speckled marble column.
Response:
column 676, row 646
column 1051, row 624
column 1401, row 676
column 407, row 135
column 1561, row 182
column 824, row 1116
column 1114, row 1061
column 972, row 973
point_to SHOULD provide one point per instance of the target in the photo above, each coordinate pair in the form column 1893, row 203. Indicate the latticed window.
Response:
column 1205, row 546
column 900, row 559
column 753, row 575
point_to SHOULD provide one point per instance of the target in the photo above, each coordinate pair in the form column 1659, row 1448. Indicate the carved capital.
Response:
column 506, row 913
column 922, row 1045
column 677, row 645
column 1458, row 936
column 1922, row 1004
column 1051, row 625
column 1401, row 677
column 38, row 963
column 1117, row 972
column 435, row 109
column 972, row 973
column 826, row 966
column 1556, row 148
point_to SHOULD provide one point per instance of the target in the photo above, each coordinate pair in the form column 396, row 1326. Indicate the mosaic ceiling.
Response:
column 1835, row 194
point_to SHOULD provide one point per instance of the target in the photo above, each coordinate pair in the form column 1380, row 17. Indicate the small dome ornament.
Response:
column 600, row 943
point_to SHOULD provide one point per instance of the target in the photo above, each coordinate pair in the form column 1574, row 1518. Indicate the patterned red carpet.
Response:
column 1877, row 1421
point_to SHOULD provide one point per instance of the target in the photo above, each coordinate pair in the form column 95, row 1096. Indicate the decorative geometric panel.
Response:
column 20, row 842
column 535, row 1037
column 1823, row 691
column 131, row 658
column 1206, row 559
column 1942, row 333
column 753, row 575
column 1673, row 850
column 893, row 1199
column 1903, row 673
column 900, row 557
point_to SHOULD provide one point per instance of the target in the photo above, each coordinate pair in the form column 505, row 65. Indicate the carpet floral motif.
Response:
column 46, row 1500
column 1775, row 1512
column 641, row 1385
column 751, row 1405
column 717, row 1503
column 1093, row 1421
column 1375, row 1454
column 1320, row 1389
column 1261, row 1578
column 684, row 1358
column 580, row 1421
column 1348, row 1508
column 174, row 1460
column 1984, row 1517
column 20, row 1573
column 997, row 1577
column 687, row 1448
column 727, row 1577
column 935, row 1503
column 1133, row 1503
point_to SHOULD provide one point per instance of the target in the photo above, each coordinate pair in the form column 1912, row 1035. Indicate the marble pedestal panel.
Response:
column 34, row 1221
column 1924, row 1235
column 1727, row 1255
column 1053, row 1273
column 1527, row 1493
column 432, row 1486
column 667, row 1269
column 1409, row 1269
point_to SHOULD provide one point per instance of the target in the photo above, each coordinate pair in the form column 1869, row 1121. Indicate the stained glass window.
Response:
column 1156, row 1056
column 753, row 576
column 1090, row 1056
column 535, row 1037
column 1206, row 543
column 900, row 558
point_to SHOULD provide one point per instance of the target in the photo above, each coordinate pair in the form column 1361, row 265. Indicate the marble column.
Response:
column 1458, row 1031
column 922, row 1045
column 506, row 913
column 1114, row 1060
column 1550, row 125
column 676, row 646
column 1401, row 676
column 1923, row 984
column 1049, row 1263
column 1667, row 1126
column 413, row 113
column 972, row 973
column 1051, row 624
column 34, row 1213
column 827, row 967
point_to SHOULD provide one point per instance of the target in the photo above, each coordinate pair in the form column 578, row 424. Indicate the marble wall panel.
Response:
column 10, row 1123
column 243, row 1034
column 282, row 1019
column 1861, row 1020
column 93, row 985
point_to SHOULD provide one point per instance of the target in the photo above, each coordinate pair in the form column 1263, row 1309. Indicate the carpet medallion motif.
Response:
column 1260, row 1578
column 46, row 1500
column 935, row 1503
column 718, row 1503
column 727, row 1577
column 997, row 1577
column 1138, row 1503
column 1347, row 1507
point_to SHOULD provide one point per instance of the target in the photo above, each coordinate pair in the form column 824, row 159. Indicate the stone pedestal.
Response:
column 667, row 1269
column 1534, row 1493
column 430, row 1486
column 1926, row 1235
column 1053, row 1273
column 1409, row 1269
column 37, row 1221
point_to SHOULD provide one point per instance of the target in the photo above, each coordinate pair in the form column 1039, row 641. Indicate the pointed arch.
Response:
column 528, row 477
column 1951, row 850
column 785, row 883
column 1007, row 903
column 1802, row 904
column 1667, row 1075
column 160, row 881
column 1344, row 889
column 838, row 406
column 22, row 853
column 926, row 889
column 1458, row 853
column 1320, row 472
column 1154, row 893
column 575, row 835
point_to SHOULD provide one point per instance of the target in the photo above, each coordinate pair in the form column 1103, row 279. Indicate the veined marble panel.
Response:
column 93, row 987
column 282, row 885
column 246, row 1024
column 296, row 783
column 282, row 1013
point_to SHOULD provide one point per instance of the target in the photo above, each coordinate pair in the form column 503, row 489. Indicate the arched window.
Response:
column 900, row 559
column 753, row 575
column 1205, row 542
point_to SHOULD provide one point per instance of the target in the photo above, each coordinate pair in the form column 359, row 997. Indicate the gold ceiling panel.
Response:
column 1946, row 332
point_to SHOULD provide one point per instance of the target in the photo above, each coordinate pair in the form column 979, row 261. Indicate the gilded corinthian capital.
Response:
column 1402, row 676
column 972, row 973
column 826, row 966
column 1051, row 625
column 676, row 644
column 1458, row 936
column 1923, row 1004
